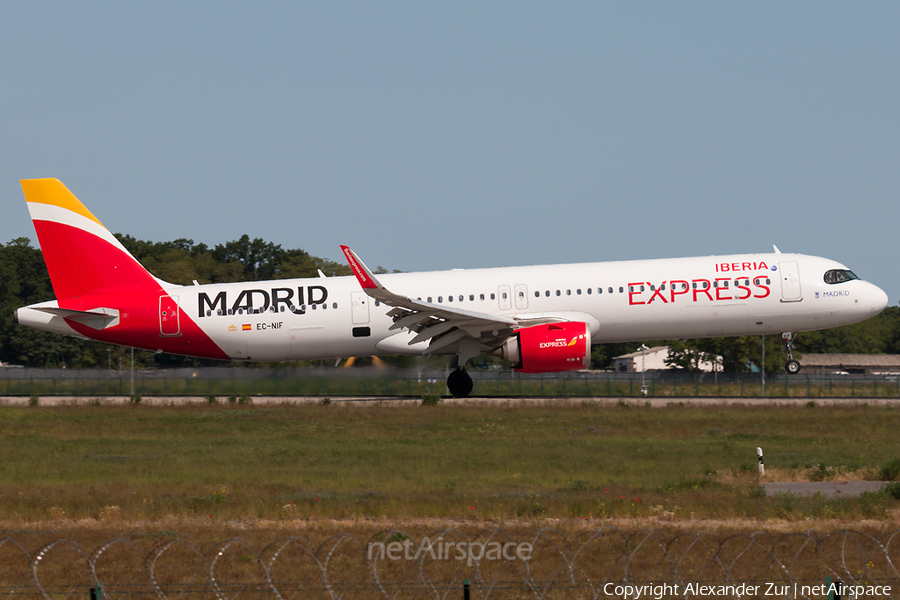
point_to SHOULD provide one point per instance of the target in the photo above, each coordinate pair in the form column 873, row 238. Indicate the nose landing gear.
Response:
column 791, row 366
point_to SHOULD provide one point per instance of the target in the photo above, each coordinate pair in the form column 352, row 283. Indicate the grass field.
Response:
column 477, row 462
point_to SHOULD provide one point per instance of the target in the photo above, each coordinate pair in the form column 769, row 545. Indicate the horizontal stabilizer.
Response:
column 98, row 318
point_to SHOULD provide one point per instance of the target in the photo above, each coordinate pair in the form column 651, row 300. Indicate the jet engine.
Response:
column 548, row 348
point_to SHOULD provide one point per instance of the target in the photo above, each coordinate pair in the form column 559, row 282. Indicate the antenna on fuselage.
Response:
column 775, row 248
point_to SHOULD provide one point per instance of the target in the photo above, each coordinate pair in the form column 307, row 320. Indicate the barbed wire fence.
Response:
column 598, row 563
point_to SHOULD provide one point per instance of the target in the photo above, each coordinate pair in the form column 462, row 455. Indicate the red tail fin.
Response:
column 82, row 256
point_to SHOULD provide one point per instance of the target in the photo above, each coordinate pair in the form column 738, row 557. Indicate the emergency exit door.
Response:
column 521, row 296
column 359, row 308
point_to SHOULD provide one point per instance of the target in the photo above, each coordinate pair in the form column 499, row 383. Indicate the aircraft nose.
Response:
column 879, row 300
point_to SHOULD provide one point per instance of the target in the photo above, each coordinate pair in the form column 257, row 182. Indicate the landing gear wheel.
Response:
column 791, row 366
column 459, row 383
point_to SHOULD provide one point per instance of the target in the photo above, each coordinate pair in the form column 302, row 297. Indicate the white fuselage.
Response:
column 620, row 301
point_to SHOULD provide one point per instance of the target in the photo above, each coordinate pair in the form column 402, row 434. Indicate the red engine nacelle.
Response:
column 549, row 348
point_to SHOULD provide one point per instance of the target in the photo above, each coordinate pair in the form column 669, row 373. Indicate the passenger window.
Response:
column 208, row 313
column 662, row 287
column 324, row 306
column 521, row 294
column 333, row 305
column 768, row 281
column 219, row 312
column 441, row 299
column 652, row 288
column 472, row 297
column 568, row 292
column 377, row 303
column 558, row 293
column 590, row 290
column 460, row 298
column 429, row 298
column 505, row 295
column 537, row 294
column 313, row 307
column 481, row 296
column 642, row 288
column 715, row 284
column 610, row 290
column 449, row 298
column 547, row 293
column 493, row 297
column 621, row 289
column 630, row 288
column 578, row 291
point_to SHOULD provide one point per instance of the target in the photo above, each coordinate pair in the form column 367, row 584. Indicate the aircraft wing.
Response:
column 443, row 325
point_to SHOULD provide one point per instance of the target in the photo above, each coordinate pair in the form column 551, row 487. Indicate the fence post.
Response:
column 97, row 592
column 466, row 592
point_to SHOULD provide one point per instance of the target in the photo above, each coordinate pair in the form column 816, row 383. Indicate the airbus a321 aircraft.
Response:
column 539, row 319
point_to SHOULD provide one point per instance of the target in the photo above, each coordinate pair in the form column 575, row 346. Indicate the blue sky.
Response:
column 466, row 134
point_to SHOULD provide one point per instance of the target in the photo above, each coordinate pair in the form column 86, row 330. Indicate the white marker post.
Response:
column 762, row 467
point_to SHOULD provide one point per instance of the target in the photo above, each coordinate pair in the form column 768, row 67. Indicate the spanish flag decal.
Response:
column 245, row 327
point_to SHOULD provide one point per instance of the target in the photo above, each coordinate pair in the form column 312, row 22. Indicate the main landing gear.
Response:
column 459, row 382
column 791, row 366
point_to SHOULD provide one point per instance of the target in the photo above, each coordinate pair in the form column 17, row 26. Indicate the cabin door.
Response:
column 790, row 281
column 169, row 322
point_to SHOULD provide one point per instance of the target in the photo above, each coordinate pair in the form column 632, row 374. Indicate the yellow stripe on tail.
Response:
column 53, row 192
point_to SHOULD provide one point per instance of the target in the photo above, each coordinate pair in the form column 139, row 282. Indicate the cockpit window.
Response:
column 839, row 276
